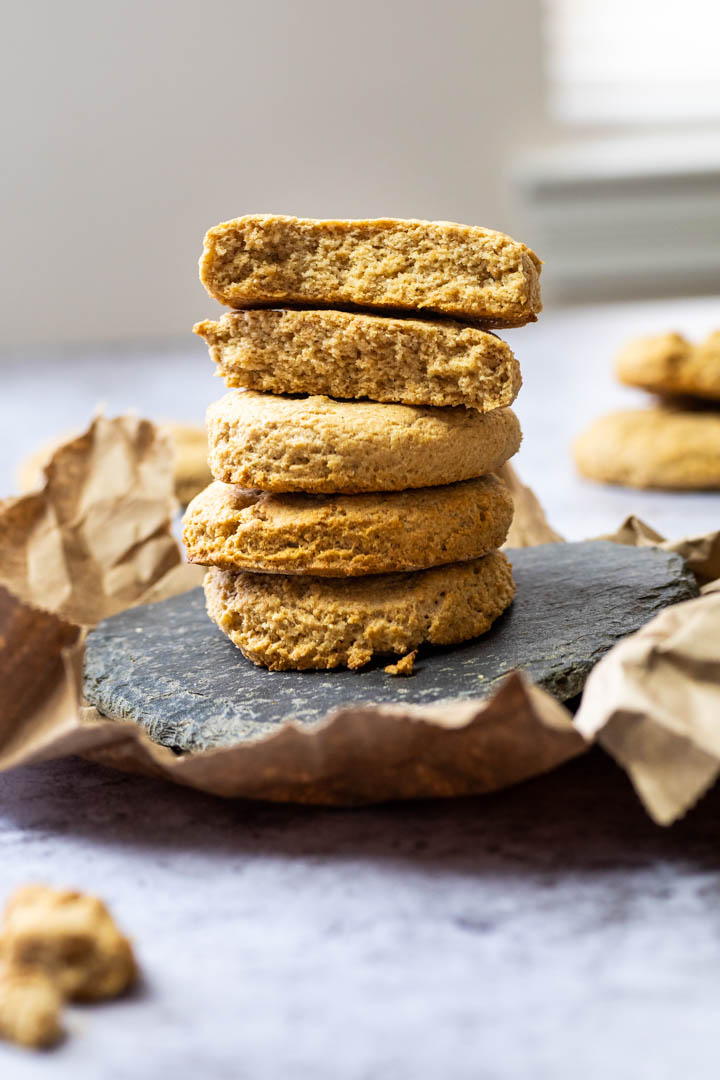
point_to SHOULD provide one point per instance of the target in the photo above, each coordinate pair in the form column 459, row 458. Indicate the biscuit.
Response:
column 346, row 535
column 386, row 264
column 355, row 355
column 192, row 472
column 670, row 365
column 283, row 622
column 319, row 445
column 652, row 448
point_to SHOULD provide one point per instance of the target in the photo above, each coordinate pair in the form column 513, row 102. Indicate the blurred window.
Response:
column 633, row 61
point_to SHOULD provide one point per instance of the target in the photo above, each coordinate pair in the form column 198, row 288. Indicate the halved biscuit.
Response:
column 319, row 445
column 283, row 622
column 355, row 355
column 386, row 263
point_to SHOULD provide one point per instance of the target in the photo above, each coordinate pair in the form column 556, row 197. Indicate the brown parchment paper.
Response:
column 653, row 701
column 529, row 525
column 97, row 538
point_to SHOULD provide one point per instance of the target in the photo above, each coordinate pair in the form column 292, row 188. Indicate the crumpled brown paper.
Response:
column 97, row 539
column 97, row 535
column 701, row 553
column 529, row 525
column 653, row 701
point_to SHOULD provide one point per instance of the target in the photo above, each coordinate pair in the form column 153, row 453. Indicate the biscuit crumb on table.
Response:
column 404, row 666
column 57, row 945
column 30, row 1009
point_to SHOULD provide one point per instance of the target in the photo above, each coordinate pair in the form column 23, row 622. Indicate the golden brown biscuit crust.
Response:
column 386, row 264
column 346, row 535
column 669, row 364
column 318, row 445
column 345, row 354
column 282, row 622
column 652, row 448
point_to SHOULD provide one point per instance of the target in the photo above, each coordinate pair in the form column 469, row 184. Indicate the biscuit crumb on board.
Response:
column 404, row 666
column 57, row 945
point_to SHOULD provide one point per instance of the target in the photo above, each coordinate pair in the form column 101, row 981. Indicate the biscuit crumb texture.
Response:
column 300, row 623
column 319, row 445
column 388, row 263
column 669, row 364
column 405, row 666
column 653, row 448
column 355, row 355
column 30, row 1009
column 346, row 535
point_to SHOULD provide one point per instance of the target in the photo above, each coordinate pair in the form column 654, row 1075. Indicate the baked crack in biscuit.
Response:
column 671, row 365
column 346, row 535
column 653, row 448
column 355, row 355
column 387, row 264
column 283, row 622
column 318, row 445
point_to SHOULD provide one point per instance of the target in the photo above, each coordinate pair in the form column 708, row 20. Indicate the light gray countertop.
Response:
column 541, row 933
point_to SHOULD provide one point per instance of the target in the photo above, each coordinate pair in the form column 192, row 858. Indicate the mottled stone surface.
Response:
column 170, row 669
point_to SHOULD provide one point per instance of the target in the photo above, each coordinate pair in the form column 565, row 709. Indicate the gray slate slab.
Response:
column 169, row 668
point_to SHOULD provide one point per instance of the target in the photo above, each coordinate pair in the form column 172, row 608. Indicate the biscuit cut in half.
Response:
column 653, row 448
column 346, row 535
column 299, row 623
column 319, row 445
column 355, row 355
column 670, row 365
column 387, row 264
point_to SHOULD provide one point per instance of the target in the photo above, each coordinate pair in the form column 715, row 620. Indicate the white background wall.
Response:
column 130, row 128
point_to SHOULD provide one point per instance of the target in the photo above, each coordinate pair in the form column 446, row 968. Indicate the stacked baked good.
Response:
column 354, row 509
column 673, row 444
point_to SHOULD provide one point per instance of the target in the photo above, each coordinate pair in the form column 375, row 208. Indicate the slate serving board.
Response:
column 167, row 667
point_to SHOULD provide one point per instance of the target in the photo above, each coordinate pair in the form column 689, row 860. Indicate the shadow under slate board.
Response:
column 167, row 666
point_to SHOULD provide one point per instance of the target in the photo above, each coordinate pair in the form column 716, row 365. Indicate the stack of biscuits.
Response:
column 674, row 444
column 354, row 510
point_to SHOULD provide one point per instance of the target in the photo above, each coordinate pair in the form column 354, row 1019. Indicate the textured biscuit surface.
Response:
column 283, row 622
column 652, row 448
column 669, row 364
column 346, row 535
column 355, row 355
column 437, row 266
column 319, row 445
